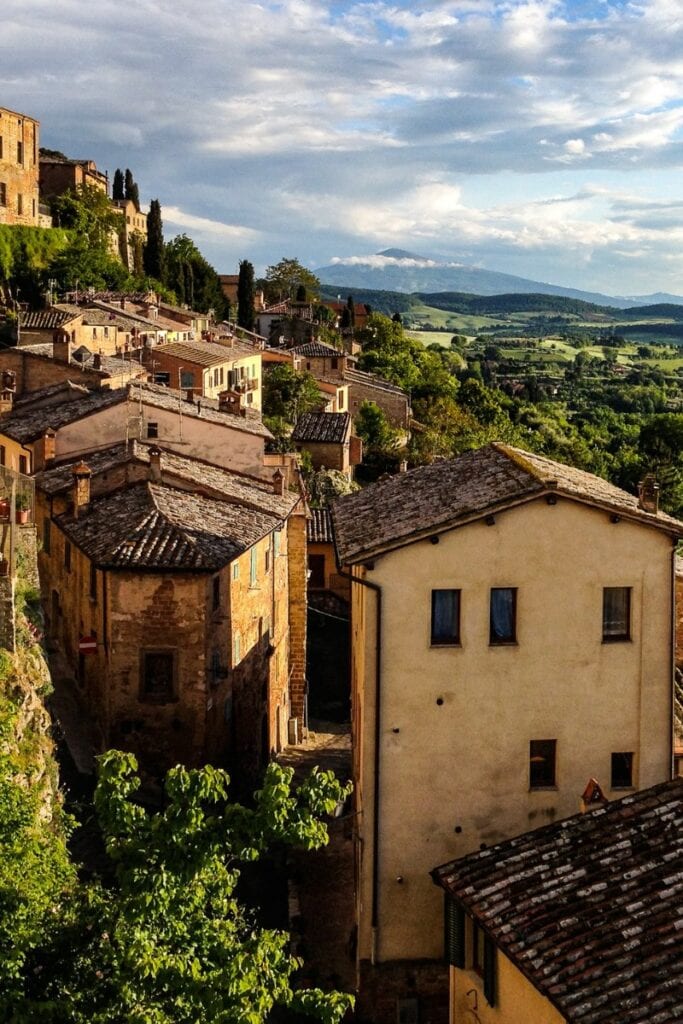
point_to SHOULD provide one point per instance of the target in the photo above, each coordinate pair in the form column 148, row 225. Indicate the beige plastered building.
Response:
column 452, row 727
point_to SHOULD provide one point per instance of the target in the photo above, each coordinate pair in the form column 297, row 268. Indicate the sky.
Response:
column 535, row 137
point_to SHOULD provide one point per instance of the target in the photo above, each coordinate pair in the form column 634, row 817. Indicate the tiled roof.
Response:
column 318, row 350
column 200, row 408
column 183, row 310
column 234, row 487
column 110, row 366
column 590, row 909
column 446, row 494
column 27, row 423
column 108, row 316
column 203, row 353
column 319, row 527
column 46, row 319
column 152, row 526
column 371, row 380
column 322, row 428
column 63, row 391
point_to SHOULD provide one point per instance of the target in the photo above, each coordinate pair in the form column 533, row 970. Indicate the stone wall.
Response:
column 18, row 169
column 298, row 567
column 394, row 991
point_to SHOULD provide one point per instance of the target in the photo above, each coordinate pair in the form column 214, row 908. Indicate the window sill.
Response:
column 623, row 789
column 617, row 640
column 543, row 789
column 445, row 643
column 503, row 643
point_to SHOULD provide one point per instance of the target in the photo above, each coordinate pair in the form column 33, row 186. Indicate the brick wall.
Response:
column 298, row 607
column 18, row 168
column 393, row 404
column 383, row 985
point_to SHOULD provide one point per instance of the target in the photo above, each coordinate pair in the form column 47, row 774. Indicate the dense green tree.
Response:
column 194, row 281
column 118, row 187
column 245, row 296
column 131, row 190
column 154, row 252
column 288, row 393
column 284, row 278
column 87, row 211
column 169, row 942
column 380, row 440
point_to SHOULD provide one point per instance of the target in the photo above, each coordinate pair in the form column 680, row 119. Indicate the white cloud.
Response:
column 204, row 226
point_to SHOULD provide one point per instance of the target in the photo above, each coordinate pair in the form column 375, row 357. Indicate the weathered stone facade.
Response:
column 403, row 991
column 19, row 143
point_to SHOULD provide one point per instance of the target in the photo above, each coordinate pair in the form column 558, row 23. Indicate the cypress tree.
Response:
column 245, row 296
column 117, row 185
column 351, row 306
column 153, row 257
column 131, row 189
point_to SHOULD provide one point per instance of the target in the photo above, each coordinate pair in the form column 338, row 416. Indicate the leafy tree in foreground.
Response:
column 288, row 393
column 170, row 943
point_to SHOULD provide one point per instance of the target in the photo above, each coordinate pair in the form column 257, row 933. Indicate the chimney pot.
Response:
column 97, row 361
column 278, row 482
column 155, row 464
column 592, row 796
column 81, row 489
column 648, row 494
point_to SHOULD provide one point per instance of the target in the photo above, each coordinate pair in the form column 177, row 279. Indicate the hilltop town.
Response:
column 247, row 527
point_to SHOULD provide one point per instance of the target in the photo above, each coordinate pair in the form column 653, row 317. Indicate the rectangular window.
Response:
column 276, row 542
column 20, row 203
column 216, row 593
column 235, row 570
column 478, row 937
column 622, row 770
column 152, row 429
column 503, row 624
column 3, row 455
column 93, row 582
column 616, row 614
column 67, row 556
column 267, row 559
column 0, row 147
column 316, row 572
column 20, row 151
column 542, row 764
column 454, row 940
column 3, row 193
column 445, row 617
column 46, row 536
column 158, row 675
column 253, row 566
column 483, row 956
column 23, row 464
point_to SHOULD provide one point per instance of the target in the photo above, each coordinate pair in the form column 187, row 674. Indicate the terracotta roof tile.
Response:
column 317, row 350
column 322, row 428
column 152, row 526
column 590, row 909
column 319, row 527
column 445, row 494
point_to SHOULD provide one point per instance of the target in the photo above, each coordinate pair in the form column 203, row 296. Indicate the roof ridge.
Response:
column 516, row 456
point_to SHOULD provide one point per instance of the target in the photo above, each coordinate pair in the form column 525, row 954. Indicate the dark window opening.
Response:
column 542, row 764
column 622, row 770
column 503, row 624
column 46, row 536
column 316, row 568
column 93, row 582
column 67, row 556
column 445, row 617
column 158, row 675
column 216, row 593
column 616, row 614
column 152, row 429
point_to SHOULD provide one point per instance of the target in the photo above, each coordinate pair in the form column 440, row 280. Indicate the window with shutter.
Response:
column 454, row 944
column 489, row 971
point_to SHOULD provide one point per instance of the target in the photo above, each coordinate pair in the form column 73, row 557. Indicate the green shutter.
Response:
column 489, row 971
column 455, row 933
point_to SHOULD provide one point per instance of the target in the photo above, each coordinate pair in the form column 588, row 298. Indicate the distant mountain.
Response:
column 401, row 271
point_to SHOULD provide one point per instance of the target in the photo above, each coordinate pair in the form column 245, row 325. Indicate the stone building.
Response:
column 132, row 233
column 329, row 439
column 208, row 369
column 512, row 635
column 60, row 174
column 179, row 575
column 574, row 922
column 19, row 192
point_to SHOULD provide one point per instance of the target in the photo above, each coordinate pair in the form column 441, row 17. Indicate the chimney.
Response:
column 403, row 466
column 278, row 482
column 155, row 464
column 592, row 797
column 230, row 401
column 61, row 347
column 6, row 400
column 97, row 361
column 122, row 303
column 44, row 451
column 81, row 489
column 648, row 494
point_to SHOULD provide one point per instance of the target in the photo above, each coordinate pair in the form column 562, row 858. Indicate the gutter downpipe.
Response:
column 376, row 787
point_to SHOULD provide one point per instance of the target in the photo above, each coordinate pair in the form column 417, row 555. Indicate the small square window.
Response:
column 152, row 429
column 503, row 622
column 445, row 617
column 622, row 770
column 616, row 614
column 158, row 675
column 542, row 764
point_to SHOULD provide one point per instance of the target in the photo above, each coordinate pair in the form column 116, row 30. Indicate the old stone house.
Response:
column 512, row 635
column 60, row 174
column 188, row 581
column 19, row 192
column 329, row 439
column 97, row 419
column 576, row 921
column 208, row 369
